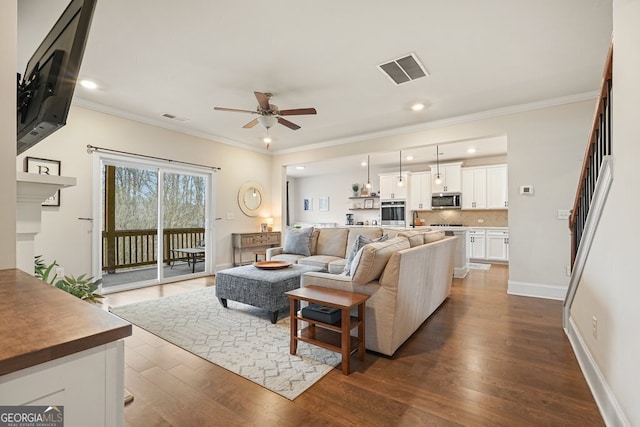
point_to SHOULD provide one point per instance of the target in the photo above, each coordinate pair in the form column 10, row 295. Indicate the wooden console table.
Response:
column 242, row 241
column 335, row 337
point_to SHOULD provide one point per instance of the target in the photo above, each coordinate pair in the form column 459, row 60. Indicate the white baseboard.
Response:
column 609, row 409
column 460, row 272
column 537, row 290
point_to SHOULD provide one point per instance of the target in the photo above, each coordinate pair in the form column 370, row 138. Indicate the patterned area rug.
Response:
column 240, row 339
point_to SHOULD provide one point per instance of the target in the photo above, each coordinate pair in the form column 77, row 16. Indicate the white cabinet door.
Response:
column 453, row 183
column 389, row 188
column 420, row 191
column 474, row 188
column 477, row 244
column 450, row 175
column 497, row 245
column 497, row 187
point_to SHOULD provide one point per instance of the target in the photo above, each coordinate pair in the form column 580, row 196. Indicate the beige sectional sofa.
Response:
column 408, row 277
column 328, row 247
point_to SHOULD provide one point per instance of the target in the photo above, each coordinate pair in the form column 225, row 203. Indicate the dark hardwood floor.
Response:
column 484, row 358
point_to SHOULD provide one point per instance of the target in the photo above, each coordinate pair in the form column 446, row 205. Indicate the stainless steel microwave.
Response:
column 446, row 201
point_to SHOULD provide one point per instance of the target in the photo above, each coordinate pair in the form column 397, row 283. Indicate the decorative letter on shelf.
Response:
column 44, row 167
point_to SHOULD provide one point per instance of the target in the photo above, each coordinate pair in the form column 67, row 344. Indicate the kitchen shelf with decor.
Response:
column 365, row 206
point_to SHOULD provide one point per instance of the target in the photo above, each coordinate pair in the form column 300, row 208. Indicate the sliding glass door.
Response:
column 153, row 224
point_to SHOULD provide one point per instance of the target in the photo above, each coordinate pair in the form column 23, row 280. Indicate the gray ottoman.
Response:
column 261, row 288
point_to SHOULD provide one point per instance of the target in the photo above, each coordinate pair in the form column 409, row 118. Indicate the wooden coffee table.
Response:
column 335, row 337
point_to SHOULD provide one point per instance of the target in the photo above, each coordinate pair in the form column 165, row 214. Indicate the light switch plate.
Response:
column 564, row 213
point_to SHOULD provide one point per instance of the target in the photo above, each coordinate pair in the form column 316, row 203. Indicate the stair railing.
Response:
column 595, row 181
column 598, row 147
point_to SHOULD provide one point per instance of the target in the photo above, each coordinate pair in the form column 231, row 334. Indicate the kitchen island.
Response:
column 58, row 350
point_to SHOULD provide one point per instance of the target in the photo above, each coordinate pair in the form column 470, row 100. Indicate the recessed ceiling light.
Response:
column 88, row 84
column 363, row 163
column 409, row 157
column 300, row 168
column 471, row 150
column 266, row 139
column 417, row 106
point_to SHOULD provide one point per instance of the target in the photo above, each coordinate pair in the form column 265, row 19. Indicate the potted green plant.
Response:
column 82, row 287
column 355, row 187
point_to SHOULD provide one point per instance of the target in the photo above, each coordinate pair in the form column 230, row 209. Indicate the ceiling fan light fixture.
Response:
column 267, row 121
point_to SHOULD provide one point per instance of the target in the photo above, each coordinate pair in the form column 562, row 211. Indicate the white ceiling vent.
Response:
column 174, row 117
column 404, row 69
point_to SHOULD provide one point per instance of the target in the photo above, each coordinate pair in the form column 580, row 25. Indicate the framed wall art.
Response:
column 308, row 204
column 44, row 167
column 323, row 204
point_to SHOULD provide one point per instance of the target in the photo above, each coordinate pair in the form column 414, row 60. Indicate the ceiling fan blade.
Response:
column 298, row 111
column 263, row 100
column 288, row 124
column 234, row 110
column 251, row 124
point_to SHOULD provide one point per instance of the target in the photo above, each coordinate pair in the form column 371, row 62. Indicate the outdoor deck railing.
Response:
column 135, row 248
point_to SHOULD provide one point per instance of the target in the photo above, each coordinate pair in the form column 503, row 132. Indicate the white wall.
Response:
column 8, row 40
column 336, row 186
column 68, row 240
column 609, row 287
column 545, row 149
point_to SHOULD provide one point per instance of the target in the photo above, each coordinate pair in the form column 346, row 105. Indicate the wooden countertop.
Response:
column 39, row 323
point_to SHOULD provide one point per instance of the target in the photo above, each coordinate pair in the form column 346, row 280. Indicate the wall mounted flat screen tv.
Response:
column 46, row 88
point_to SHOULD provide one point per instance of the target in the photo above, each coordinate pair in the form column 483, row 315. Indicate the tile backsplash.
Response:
column 469, row 218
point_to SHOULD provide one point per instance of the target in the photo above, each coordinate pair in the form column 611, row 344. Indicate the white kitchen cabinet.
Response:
column 419, row 191
column 389, row 188
column 474, row 188
column 450, row 175
column 497, row 187
column 497, row 245
column 477, row 244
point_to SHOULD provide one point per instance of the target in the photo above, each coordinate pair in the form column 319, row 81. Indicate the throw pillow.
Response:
column 297, row 241
column 359, row 243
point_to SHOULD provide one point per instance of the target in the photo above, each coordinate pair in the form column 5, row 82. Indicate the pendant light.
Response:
column 400, row 183
column 438, row 180
column 368, row 184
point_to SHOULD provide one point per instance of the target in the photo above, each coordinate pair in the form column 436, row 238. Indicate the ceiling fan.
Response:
column 269, row 114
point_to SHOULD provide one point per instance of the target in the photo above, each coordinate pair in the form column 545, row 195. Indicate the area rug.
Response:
column 240, row 339
column 479, row 266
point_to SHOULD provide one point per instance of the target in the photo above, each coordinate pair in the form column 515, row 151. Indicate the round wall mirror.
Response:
column 250, row 198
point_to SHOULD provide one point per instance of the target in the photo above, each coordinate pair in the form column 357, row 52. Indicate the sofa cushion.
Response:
column 371, row 259
column 332, row 241
column 292, row 258
column 297, row 241
column 416, row 238
column 337, row 266
column 321, row 261
column 358, row 243
column 433, row 236
column 370, row 232
column 314, row 241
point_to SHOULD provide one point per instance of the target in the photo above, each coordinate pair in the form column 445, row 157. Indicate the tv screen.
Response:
column 48, row 82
